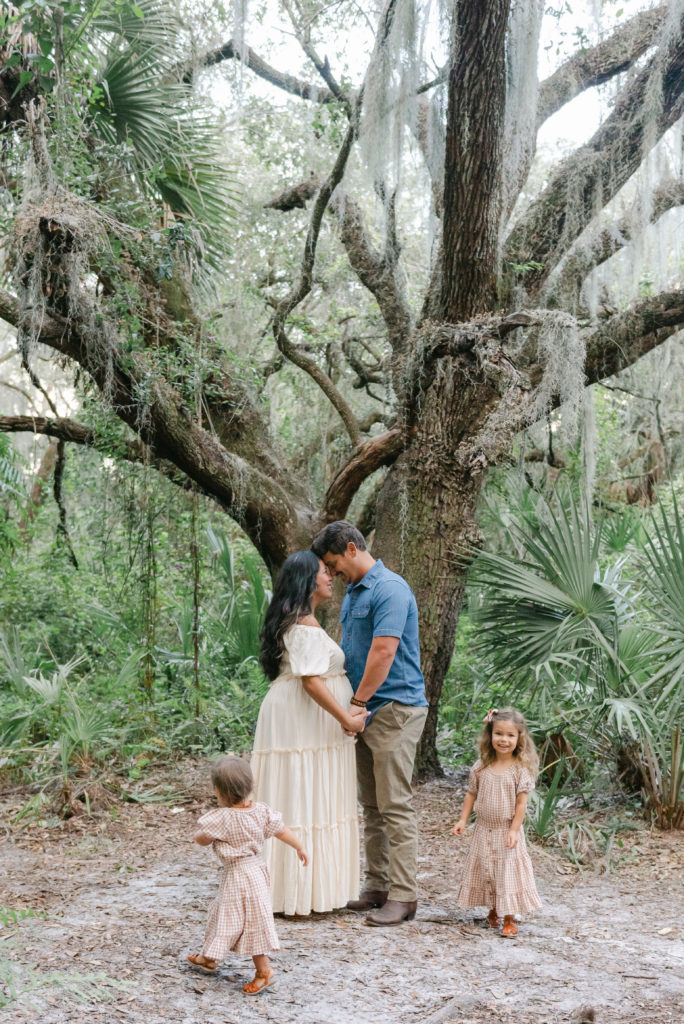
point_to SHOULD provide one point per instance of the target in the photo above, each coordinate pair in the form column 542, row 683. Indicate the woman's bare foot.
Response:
column 203, row 963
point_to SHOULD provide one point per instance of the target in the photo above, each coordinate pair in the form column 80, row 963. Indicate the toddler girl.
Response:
column 498, row 871
column 241, row 918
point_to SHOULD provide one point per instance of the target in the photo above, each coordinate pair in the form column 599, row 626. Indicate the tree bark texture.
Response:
column 472, row 167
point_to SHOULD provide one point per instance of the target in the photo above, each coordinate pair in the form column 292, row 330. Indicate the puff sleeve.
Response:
column 474, row 778
column 216, row 824
column 308, row 651
column 273, row 824
column 524, row 782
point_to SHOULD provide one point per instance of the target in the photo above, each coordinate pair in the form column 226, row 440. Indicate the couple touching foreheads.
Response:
column 334, row 717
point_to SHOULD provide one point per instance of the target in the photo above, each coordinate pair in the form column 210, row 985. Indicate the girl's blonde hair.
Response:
column 232, row 778
column 525, row 751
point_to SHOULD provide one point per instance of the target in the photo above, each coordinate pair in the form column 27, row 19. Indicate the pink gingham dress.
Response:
column 240, row 918
column 494, row 876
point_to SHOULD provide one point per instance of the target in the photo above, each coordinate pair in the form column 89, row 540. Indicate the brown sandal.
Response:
column 510, row 929
column 202, row 963
column 493, row 919
column 259, row 982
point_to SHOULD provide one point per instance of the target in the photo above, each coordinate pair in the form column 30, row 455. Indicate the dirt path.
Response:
column 124, row 899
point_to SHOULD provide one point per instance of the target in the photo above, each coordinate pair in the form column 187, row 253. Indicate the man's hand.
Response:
column 358, row 717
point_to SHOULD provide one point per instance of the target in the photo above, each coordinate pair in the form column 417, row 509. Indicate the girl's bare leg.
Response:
column 264, row 975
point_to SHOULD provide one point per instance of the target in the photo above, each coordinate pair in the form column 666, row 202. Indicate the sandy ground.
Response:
column 122, row 895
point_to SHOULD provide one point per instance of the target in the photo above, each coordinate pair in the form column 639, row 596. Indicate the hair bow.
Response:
column 488, row 718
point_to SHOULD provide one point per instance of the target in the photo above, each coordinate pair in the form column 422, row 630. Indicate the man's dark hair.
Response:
column 334, row 538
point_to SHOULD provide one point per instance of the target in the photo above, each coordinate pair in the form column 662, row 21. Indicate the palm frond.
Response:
column 552, row 601
column 145, row 23
column 664, row 584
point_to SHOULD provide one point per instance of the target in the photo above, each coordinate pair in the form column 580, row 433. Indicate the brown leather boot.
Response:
column 392, row 912
column 368, row 899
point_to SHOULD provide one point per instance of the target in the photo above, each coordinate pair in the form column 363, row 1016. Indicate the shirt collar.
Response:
column 369, row 579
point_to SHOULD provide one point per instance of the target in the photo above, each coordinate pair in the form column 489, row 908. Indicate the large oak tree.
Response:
column 496, row 340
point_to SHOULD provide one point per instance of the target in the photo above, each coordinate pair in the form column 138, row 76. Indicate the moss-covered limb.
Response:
column 377, row 271
column 274, row 520
column 597, row 171
column 297, row 196
column 371, row 455
column 63, row 428
column 594, row 66
column 606, row 240
column 288, row 83
column 625, row 337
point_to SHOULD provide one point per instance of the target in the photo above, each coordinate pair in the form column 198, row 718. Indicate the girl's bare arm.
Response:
column 203, row 839
column 288, row 836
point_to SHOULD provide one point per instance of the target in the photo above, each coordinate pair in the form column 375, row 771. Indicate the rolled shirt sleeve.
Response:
column 391, row 604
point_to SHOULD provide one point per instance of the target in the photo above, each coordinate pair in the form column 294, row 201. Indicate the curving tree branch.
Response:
column 262, row 505
column 288, row 83
column 625, row 337
column 371, row 455
column 376, row 271
column 302, row 287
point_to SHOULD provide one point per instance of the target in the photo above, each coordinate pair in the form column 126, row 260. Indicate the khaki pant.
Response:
column 385, row 753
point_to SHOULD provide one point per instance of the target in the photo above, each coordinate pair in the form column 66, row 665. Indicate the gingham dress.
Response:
column 240, row 918
column 494, row 876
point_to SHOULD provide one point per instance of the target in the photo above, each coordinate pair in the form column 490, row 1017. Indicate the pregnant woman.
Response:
column 303, row 759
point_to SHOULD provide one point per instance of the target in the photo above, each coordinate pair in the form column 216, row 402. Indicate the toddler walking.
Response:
column 240, row 918
column 498, row 870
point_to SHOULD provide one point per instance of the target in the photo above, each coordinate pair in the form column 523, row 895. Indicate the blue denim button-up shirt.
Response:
column 382, row 604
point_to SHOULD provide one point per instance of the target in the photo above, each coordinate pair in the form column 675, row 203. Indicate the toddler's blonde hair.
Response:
column 525, row 751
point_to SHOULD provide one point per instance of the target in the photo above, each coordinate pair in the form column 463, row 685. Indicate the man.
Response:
column 380, row 641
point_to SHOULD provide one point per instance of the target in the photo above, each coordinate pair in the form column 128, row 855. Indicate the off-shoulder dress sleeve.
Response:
column 308, row 650
column 216, row 824
column 274, row 822
column 524, row 782
column 474, row 778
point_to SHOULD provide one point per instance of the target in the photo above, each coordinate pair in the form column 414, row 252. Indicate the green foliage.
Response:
column 128, row 127
column 9, row 916
column 64, row 713
column 19, row 983
column 566, row 625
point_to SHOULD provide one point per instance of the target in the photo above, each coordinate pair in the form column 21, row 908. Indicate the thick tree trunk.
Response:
column 472, row 168
column 425, row 522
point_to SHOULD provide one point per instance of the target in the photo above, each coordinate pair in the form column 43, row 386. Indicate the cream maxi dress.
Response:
column 305, row 766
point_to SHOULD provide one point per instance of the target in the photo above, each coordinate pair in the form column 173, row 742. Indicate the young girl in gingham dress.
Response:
column 241, row 918
column 498, row 870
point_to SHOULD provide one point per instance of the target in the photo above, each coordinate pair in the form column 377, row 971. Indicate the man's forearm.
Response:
column 378, row 664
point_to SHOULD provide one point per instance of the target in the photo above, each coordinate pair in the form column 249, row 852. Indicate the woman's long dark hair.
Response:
column 291, row 599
